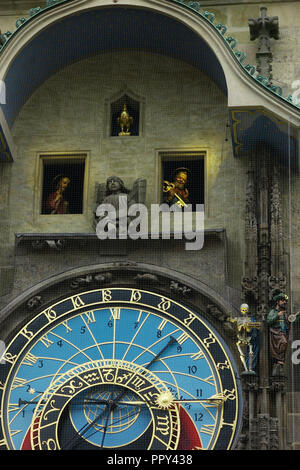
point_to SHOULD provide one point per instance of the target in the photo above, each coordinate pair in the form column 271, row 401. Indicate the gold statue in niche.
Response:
column 125, row 121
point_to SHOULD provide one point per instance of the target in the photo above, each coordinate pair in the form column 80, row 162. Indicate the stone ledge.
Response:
column 60, row 241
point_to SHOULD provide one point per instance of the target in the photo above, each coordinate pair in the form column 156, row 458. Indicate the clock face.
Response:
column 118, row 368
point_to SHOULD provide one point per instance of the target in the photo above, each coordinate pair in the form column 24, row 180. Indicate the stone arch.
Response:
column 176, row 29
column 120, row 273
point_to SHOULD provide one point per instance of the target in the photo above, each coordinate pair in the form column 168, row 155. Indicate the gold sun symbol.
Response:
column 165, row 400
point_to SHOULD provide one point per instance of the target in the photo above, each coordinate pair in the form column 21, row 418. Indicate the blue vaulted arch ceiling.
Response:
column 97, row 31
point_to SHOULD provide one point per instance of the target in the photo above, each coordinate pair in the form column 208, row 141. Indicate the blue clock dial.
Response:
column 119, row 368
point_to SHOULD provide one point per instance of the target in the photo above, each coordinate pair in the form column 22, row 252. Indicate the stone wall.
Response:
column 183, row 110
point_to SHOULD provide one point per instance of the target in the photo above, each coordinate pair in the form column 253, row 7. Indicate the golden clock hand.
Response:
column 166, row 399
column 217, row 398
column 184, row 400
column 200, row 400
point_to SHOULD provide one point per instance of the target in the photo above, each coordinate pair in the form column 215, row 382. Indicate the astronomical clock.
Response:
column 118, row 368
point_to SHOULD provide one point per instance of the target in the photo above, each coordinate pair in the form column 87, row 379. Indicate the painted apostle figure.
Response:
column 56, row 203
column 277, row 320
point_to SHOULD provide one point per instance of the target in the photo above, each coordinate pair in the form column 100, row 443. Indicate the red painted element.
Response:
column 189, row 438
column 31, row 431
column 27, row 442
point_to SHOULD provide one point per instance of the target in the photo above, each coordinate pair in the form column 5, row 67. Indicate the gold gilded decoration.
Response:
column 168, row 187
column 176, row 192
column 135, row 386
column 135, row 296
column 46, row 341
column 137, row 392
column 89, row 317
column 164, row 400
column 77, row 301
column 245, row 326
column 293, row 317
column 30, row 359
column 125, row 121
column 209, row 340
column 106, row 295
column 218, row 398
column 164, row 304
column 27, row 333
column 50, row 314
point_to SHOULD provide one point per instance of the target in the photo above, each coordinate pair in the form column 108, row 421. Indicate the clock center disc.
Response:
column 126, row 421
column 94, row 404
column 108, row 404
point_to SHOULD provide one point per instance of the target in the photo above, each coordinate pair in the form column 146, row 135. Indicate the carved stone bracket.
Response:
column 250, row 382
column 277, row 283
column 91, row 279
column 263, row 422
column 146, row 279
column 34, row 302
column 274, row 434
column 215, row 312
column 250, row 287
column 180, row 289
column 278, row 383
column 253, row 434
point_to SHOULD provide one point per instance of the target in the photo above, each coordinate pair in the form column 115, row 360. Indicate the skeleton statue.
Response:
column 247, row 339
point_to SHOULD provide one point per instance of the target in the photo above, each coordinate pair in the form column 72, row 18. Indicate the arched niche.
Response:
column 135, row 108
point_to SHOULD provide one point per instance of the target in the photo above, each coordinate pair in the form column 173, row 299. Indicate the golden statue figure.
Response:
column 125, row 121
column 177, row 192
column 247, row 338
